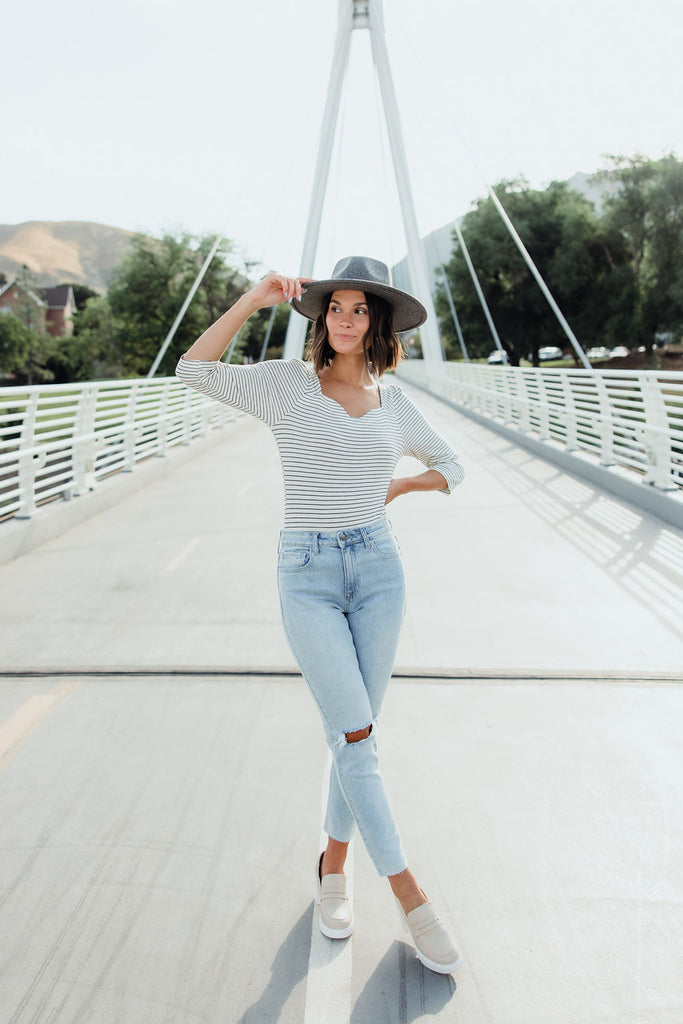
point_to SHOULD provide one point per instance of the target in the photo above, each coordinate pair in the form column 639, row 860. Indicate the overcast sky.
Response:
column 205, row 116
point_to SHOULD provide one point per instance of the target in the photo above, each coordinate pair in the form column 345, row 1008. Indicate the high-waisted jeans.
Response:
column 342, row 595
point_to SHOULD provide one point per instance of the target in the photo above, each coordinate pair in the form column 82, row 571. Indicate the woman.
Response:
column 340, row 432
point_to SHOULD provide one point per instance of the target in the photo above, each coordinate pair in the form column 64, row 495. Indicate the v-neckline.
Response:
column 377, row 408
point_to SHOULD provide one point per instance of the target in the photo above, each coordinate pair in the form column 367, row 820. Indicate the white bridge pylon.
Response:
column 367, row 14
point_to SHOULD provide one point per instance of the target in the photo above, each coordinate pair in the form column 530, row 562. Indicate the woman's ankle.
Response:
column 334, row 859
column 407, row 891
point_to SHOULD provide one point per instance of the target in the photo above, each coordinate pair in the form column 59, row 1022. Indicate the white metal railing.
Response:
column 631, row 418
column 59, row 440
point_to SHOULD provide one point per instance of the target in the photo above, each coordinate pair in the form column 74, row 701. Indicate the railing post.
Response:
column 468, row 373
column 522, row 402
column 83, row 444
column 571, row 423
column 605, row 420
column 187, row 416
column 162, row 420
column 27, row 464
column 543, row 411
column 505, row 394
column 129, row 431
column 656, row 433
column 482, row 401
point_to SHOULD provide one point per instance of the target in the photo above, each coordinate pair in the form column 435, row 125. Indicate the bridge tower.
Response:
column 365, row 14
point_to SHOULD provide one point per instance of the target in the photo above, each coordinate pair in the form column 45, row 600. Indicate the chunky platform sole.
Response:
column 432, row 965
column 334, row 933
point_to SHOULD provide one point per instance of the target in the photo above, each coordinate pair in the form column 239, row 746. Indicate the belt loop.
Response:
column 316, row 543
column 366, row 538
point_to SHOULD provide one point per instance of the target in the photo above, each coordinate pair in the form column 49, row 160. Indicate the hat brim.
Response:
column 408, row 313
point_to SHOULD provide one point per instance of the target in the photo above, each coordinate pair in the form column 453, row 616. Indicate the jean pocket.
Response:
column 294, row 558
column 385, row 545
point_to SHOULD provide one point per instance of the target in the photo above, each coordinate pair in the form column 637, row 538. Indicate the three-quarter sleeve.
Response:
column 425, row 443
column 266, row 390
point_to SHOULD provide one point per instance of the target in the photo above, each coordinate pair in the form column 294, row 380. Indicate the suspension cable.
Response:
column 482, row 300
column 539, row 280
column 430, row 240
column 454, row 315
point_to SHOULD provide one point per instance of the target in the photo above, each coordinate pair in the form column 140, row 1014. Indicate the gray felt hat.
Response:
column 363, row 274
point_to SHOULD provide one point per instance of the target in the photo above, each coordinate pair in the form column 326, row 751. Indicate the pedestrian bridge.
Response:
column 161, row 761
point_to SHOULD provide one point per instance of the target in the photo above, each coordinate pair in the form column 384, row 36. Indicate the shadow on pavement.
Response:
column 642, row 553
column 401, row 990
column 289, row 967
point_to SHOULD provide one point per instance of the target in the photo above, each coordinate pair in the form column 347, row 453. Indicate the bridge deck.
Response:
column 158, row 831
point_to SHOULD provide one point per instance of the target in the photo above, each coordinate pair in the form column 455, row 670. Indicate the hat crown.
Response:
column 367, row 275
column 362, row 268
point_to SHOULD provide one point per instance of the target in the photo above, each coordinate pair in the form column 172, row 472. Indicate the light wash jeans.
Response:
column 342, row 596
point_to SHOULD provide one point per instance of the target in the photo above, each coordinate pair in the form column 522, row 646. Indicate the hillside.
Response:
column 58, row 251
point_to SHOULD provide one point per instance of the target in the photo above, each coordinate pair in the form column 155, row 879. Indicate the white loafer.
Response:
column 433, row 945
column 334, row 905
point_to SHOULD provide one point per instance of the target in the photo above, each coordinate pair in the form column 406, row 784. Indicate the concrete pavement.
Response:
column 158, row 840
column 158, row 831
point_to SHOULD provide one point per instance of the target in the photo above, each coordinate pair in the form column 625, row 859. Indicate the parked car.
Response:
column 598, row 353
column 496, row 357
column 549, row 352
column 619, row 352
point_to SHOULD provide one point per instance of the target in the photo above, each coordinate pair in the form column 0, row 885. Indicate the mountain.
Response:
column 60, row 251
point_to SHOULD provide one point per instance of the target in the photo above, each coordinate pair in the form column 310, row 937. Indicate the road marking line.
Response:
column 182, row 555
column 328, row 987
column 26, row 719
column 243, row 490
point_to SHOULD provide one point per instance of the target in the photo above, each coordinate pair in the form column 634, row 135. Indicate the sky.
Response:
column 171, row 115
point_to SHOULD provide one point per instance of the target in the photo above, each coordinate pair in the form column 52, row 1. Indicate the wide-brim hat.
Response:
column 363, row 274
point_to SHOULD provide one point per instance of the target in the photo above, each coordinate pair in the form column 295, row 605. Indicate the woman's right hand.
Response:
column 275, row 288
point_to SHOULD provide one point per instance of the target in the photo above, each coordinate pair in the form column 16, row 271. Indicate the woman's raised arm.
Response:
column 274, row 288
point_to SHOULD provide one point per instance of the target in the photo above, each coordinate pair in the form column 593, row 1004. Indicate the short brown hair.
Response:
column 383, row 350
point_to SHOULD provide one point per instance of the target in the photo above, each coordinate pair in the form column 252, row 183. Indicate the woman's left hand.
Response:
column 430, row 480
column 396, row 487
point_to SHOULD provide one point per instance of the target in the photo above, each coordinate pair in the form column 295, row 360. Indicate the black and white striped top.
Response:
column 336, row 467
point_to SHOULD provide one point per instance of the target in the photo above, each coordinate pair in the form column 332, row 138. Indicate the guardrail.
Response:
column 60, row 440
column 630, row 418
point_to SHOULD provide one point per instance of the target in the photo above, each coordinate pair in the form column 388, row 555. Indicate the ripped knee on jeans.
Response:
column 359, row 734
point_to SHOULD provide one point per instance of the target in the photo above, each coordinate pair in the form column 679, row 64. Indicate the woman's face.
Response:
column 347, row 321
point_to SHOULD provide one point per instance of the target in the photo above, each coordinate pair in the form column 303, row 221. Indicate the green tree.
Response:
column 15, row 344
column 645, row 212
column 568, row 245
column 149, row 288
column 663, row 303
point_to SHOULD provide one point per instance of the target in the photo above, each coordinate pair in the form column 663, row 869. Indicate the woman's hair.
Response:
column 383, row 350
